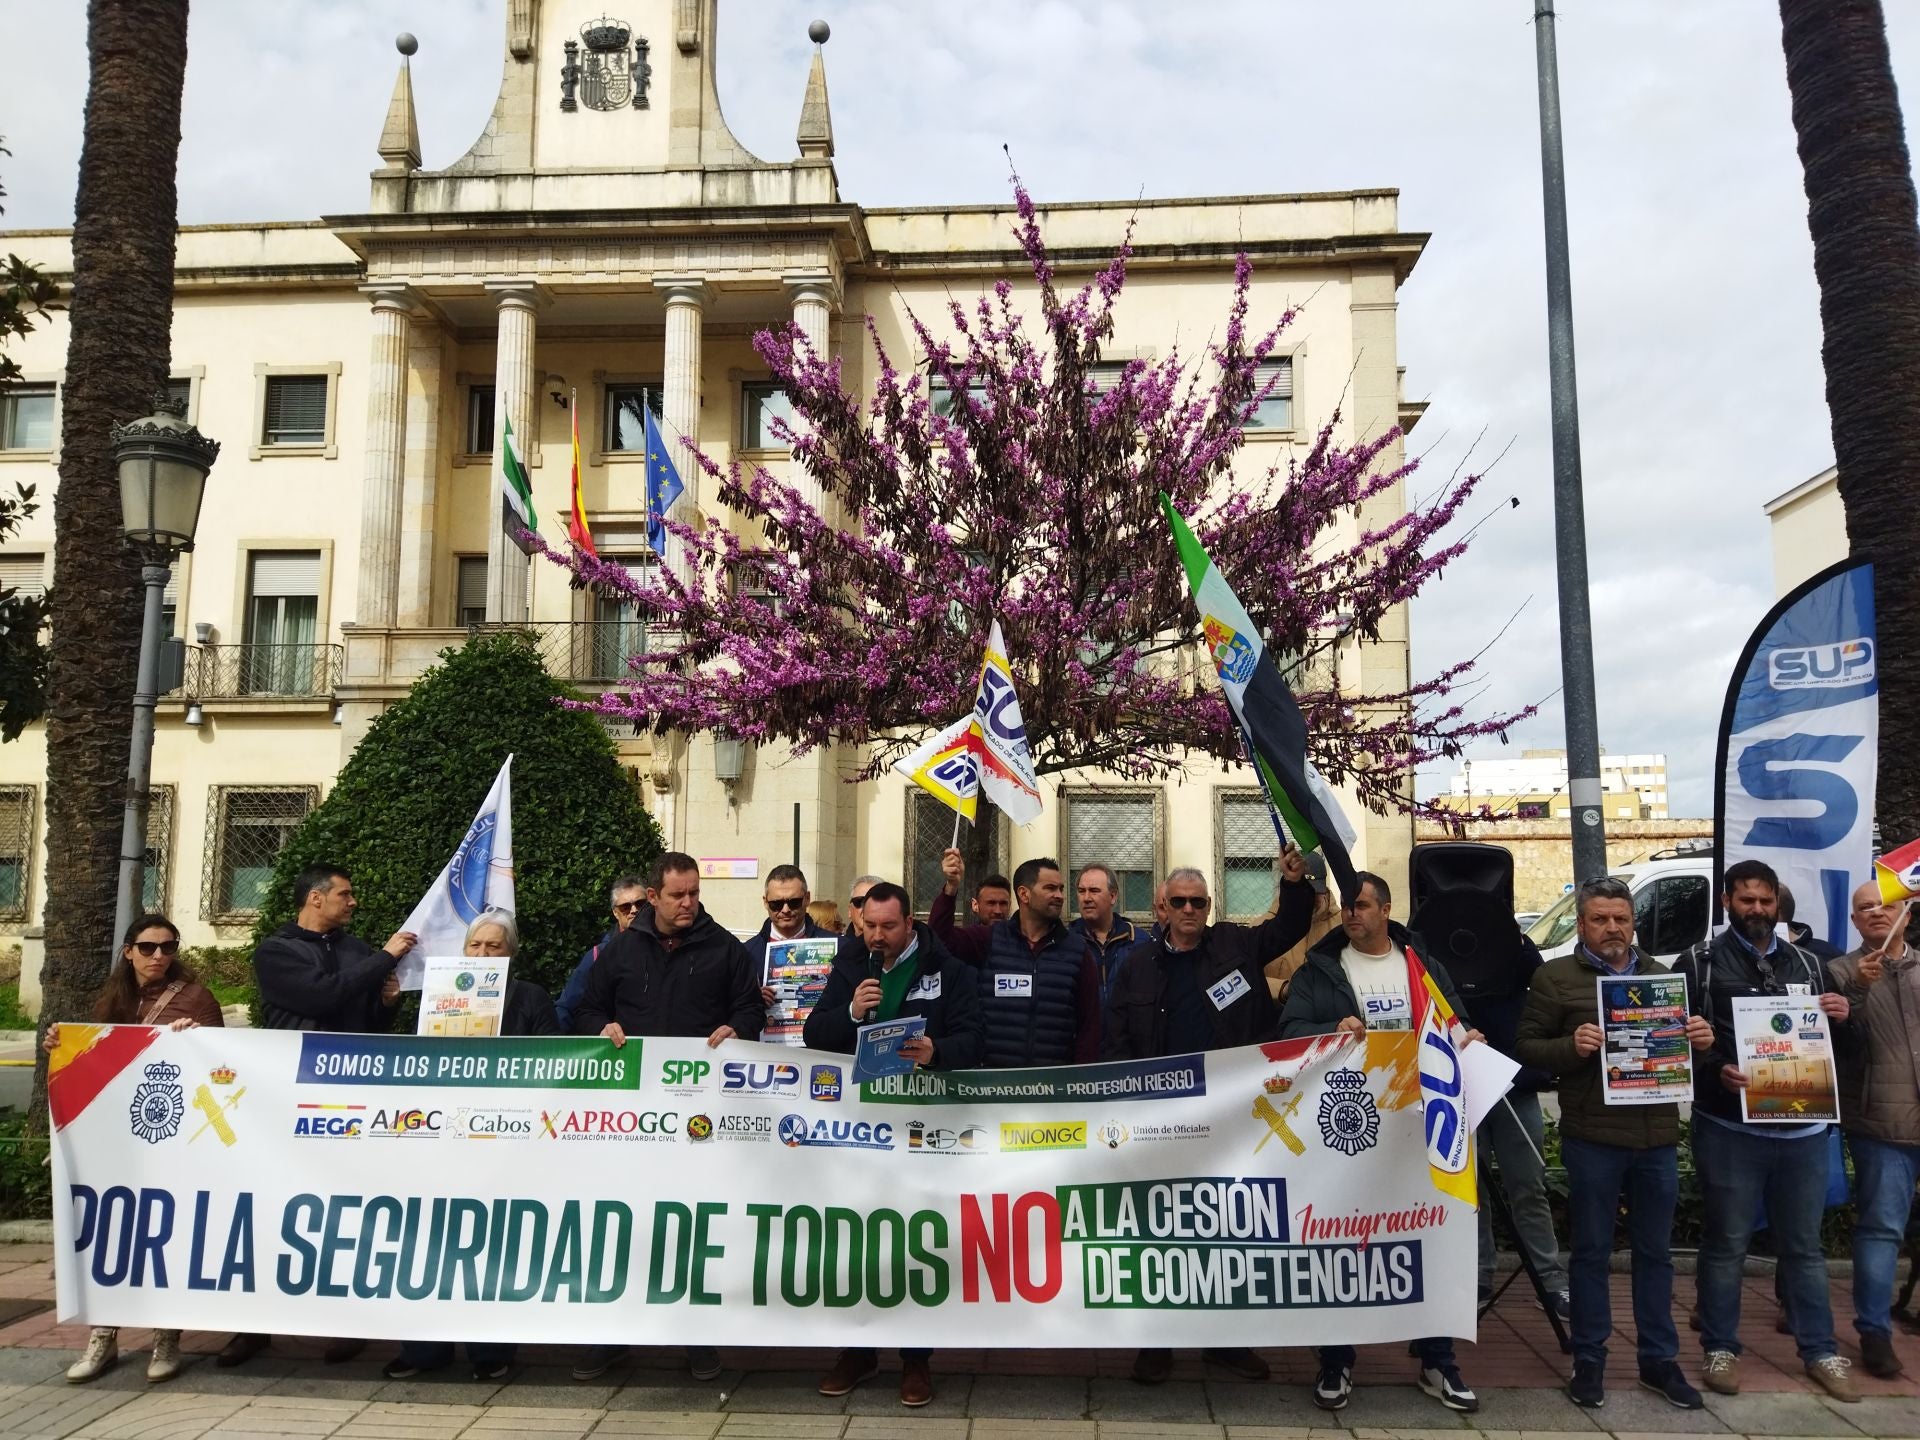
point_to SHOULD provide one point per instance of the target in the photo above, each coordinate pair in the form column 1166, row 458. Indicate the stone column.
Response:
column 383, row 473
column 815, row 298
column 686, row 297
column 426, row 370
column 516, row 301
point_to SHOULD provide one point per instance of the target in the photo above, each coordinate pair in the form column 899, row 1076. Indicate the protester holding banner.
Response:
column 147, row 986
column 628, row 894
column 1199, row 987
column 1880, row 1112
column 1744, row 1165
column 1610, row 1150
column 673, row 971
column 1363, row 978
column 904, row 971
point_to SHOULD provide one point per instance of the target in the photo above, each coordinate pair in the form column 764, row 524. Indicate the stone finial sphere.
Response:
column 818, row 32
column 405, row 43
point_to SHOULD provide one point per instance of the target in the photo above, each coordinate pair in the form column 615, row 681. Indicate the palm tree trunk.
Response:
column 117, row 358
column 1866, row 255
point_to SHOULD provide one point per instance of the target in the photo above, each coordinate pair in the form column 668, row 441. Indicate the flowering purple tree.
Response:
column 1022, row 484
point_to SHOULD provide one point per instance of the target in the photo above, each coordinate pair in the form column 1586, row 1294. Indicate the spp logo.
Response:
column 740, row 1077
column 685, row 1074
column 1821, row 667
column 329, row 1122
column 824, row 1082
column 838, row 1134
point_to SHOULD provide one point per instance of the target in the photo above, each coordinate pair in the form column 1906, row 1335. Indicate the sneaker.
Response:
column 1239, row 1362
column 490, row 1369
column 401, row 1368
column 1830, row 1374
column 598, row 1360
column 854, row 1367
column 1152, row 1367
column 1721, row 1371
column 1332, row 1387
column 916, row 1383
column 703, row 1362
column 1588, row 1387
column 1559, row 1304
column 1665, row 1379
column 164, row 1363
column 1444, row 1384
column 101, row 1355
column 1876, row 1353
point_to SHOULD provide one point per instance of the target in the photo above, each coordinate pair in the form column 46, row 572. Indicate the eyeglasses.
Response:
column 626, row 907
column 786, row 904
column 150, row 948
column 1181, row 902
column 857, row 901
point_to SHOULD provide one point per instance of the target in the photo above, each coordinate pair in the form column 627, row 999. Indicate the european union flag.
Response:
column 663, row 485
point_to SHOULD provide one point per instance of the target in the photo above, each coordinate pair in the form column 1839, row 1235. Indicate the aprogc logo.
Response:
column 1821, row 667
column 610, row 1124
column 738, row 1077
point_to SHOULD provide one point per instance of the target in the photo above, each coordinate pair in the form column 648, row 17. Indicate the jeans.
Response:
column 1524, row 1180
column 1596, row 1177
column 1883, row 1180
column 438, row 1354
column 1739, row 1169
column 1435, row 1352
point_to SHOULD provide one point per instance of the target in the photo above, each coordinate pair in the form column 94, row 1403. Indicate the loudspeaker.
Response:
column 1463, row 909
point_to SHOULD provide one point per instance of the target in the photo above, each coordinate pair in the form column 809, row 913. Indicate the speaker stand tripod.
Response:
column 1492, row 1190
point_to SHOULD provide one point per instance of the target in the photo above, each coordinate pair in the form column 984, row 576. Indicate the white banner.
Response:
column 664, row 1193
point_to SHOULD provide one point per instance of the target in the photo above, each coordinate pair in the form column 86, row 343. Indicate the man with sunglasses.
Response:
column 629, row 893
column 786, row 898
column 1196, row 987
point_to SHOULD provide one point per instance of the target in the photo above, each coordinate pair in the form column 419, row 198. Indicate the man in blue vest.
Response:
column 1039, row 983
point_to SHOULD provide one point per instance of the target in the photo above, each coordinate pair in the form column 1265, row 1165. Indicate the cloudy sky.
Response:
column 1695, row 304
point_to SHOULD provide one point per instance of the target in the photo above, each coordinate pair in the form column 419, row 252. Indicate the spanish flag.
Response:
column 1443, row 1089
column 577, row 530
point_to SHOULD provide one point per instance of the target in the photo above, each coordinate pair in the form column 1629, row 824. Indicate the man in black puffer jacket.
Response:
column 313, row 975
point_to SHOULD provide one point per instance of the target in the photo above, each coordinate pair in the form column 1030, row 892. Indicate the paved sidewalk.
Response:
column 980, row 1395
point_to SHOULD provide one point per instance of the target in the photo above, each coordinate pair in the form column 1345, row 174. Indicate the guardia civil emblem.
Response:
column 607, row 76
column 158, row 1104
column 1349, row 1122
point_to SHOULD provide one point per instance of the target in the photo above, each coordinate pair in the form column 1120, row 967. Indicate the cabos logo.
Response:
column 493, row 1124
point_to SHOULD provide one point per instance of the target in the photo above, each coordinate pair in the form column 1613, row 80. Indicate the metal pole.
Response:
column 1569, row 514
column 133, row 829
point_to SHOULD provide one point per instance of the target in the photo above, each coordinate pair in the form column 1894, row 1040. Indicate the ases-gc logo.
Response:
column 1349, row 1120
column 158, row 1104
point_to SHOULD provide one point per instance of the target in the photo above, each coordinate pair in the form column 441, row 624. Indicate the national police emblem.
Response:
column 1349, row 1121
column 158, row 1104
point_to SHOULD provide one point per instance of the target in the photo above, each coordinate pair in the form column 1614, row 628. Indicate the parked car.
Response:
column 1672, row 904
column 1526, row 918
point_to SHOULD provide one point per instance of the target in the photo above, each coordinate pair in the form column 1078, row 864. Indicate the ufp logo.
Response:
column 1821, row 667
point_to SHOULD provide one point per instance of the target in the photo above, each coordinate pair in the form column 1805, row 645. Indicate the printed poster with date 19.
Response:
column 664, row 1193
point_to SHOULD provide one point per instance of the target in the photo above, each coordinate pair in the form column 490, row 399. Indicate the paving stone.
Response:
column 1547, row 1411
column 659, row 1425
column 780, row 1392
column 203, row 1377
column 1154, row 1430
column 1269, row 1404
column 310, row 1379
column 386, row 1420
column 1779, row 1413
column 55, row 1409
column 1028, row 1397
column 672, row 1390
column 539, row 1387
column 1880, row 1414
column 1287, row 1432
column 537, row 1422
column 882, row 1397
column 1630, row 1408
column 916, row 1425
column 1015, row 1429
column 269, row 1416
column 454, row 1385
column 163, row 1416
column 783, row 1427
column 22, row 1366
column 1176, row 1402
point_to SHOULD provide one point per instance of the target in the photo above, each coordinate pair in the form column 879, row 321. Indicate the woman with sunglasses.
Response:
column 147, row 986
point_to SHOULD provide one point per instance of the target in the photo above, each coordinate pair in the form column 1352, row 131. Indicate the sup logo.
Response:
column 738, row 1077
column 158, row 1104
column 1349, row 1120
column 1821, row 667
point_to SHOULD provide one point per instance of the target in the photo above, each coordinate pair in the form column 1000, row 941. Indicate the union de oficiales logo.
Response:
column 158, row 1104
column 1349, row 1121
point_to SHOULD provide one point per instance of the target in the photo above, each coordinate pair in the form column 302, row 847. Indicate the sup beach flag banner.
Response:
column 578, row 531
column 1799, row 749
column 663, row 484
column 1270, row 720
column 478, row 877
column 1000, row 738
column 667, row 1194
column 516, row 490
column 946, row 767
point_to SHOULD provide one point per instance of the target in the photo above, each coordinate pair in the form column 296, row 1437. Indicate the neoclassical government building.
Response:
column 359, row 369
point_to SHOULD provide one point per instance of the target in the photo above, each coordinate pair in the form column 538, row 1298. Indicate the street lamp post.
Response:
column 163, row 463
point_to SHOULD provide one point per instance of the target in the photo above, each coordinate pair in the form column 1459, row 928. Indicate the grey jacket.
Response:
column 1880, row 1075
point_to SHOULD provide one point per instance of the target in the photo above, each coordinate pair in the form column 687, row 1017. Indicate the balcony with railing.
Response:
column 582, row 652
column 271, row 673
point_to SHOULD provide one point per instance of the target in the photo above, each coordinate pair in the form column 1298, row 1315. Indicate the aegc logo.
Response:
column 1821, row 667
column 739, row 1077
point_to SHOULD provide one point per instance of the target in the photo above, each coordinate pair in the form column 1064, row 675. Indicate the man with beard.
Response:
column 1741, row 1165
column 1609, row 1150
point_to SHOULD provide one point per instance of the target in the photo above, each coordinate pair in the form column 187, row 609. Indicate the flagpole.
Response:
column 954, row 844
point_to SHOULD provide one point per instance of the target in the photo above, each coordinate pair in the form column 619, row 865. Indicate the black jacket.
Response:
column 953, row 1015
column 1135, row 1027
column 313, row 981
column 1321, row 996
column 691, row 988
column 529, row 1010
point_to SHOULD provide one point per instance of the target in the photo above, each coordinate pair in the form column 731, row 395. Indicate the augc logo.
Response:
column 1821, row 667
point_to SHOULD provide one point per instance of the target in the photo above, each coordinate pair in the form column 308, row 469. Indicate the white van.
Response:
column 1672, row 903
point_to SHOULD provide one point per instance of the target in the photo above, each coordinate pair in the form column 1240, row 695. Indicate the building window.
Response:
column 627, row 406
column 750, row 583
column 25, row 574
column 180, row 392
column 26, row 417
column 156, row 882
column 1530, row 810
column 249, row 827
column 296, row 410
column 470, row 591
column 1249, row 856
column 1276, row 411
column 929, row 833
column 1121, row 830
column 1104, row 375
column 480, row 419
column 940, row 395
column 617, row 630
column 761, row 403
column 282, row 625
column 16, row 851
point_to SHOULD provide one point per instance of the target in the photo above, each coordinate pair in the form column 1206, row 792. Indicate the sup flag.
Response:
column 1000, row 738
column 1800, row 747
column 478, row 877
column 516, row 491
column 1443, row 1089
column 1898, row 873
column 1269, row 717
column 578, row 531
column 946, row 768
column 663, row 485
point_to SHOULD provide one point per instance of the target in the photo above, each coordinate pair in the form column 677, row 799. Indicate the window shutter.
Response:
column 286, row 572
column 473, row 583
column 1247, row 829
column 24, row 573
column 296, row 404
column 1281, row 373
column 1114, row 830
column 171, row 595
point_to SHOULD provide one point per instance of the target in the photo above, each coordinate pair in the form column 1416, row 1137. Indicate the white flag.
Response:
column 478, row 877
column 1006, row 768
